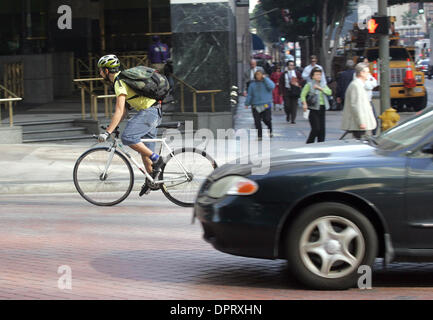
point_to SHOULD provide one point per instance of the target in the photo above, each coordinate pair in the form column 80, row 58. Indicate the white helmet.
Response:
column 110, row 62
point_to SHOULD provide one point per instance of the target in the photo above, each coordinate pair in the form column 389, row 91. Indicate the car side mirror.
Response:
column 428, row 149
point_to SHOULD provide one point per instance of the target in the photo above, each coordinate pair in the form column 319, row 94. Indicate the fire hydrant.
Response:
column 389, row 118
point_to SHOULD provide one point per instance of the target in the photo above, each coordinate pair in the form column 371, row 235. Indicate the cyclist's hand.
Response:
column 103, row 136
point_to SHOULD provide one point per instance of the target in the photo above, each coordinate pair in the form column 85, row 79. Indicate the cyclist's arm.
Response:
column 119, row 113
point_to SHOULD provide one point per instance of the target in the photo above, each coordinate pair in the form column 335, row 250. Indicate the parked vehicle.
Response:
column 424, row 66
column 329, row 209
column 401, row 96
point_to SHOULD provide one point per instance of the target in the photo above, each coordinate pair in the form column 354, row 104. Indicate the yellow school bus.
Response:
column 402, row 98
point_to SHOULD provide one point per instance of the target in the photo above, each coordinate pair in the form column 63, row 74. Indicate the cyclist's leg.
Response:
column 143, row 123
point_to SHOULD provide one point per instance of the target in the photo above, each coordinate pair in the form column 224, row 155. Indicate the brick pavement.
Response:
column 147, row 249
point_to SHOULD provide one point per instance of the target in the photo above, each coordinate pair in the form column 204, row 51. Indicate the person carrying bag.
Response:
column 260, row 98
column 290, row 87
column 314, row 99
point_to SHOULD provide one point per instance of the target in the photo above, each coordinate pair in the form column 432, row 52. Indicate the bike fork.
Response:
column 110, row 158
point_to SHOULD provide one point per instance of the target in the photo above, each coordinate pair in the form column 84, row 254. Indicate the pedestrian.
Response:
column 370, row 84
column 307, row 71
column 344, row 78
column 314, row 98
column 290, row 86
column 358, row 117
column 276, row 93
column 260, row 98
column 249, row 74
column 159, row 53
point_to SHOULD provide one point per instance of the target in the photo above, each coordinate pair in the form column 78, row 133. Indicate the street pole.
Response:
column 264, row 13
column 385, row 97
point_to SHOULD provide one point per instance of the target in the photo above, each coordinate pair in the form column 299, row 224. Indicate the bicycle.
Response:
column 104, row 175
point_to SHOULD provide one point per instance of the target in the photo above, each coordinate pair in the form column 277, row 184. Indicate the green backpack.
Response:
column 145, row 82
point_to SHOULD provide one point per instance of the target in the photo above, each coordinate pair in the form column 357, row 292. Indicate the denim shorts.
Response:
column 142, row 126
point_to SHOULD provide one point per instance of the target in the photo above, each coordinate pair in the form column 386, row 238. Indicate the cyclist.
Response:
column 142, row 125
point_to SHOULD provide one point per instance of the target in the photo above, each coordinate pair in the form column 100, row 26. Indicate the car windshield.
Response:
column 408, row 132
column 395, row 54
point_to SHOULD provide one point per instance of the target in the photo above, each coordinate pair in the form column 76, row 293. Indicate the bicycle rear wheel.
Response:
column 179, row 188
column 97, row 188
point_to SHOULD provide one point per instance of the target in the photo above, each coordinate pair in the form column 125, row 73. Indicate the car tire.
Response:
column 320, row 224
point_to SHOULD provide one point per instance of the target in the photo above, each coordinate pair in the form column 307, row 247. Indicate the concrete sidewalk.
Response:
column 48, row 168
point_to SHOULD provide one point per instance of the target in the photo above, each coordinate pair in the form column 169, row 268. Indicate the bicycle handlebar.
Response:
column 116, row 131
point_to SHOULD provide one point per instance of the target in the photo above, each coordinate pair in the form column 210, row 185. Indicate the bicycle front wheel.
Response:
column 102, row 177
column 181, row 186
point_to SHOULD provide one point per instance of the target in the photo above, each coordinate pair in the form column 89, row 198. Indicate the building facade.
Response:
column 202, row 35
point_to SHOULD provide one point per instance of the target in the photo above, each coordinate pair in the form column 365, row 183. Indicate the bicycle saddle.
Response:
column 170, row 125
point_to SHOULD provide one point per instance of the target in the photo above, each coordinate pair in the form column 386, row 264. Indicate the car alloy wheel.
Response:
column 332, row 247
column 326, row 244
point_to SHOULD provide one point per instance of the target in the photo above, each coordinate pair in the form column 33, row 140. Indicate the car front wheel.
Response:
column 327, row 243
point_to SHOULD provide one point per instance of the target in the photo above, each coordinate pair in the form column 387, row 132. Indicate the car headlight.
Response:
column 232, row 185
column 418, row 78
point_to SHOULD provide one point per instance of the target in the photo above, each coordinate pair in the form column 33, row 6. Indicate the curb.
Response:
column 47, row 187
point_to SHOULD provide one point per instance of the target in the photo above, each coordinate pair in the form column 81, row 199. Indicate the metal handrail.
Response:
column 83, row 87
column 10, row 102
column 108, row 110
column 194, row 95
column 90, row 66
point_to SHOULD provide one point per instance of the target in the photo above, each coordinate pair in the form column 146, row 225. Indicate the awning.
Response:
column 257, row 42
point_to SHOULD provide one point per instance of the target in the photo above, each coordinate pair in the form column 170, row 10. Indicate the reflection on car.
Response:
column 330, row 208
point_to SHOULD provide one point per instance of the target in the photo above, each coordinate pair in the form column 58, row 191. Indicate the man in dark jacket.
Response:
column 344, row 78
column 290, row 86
column 159, row 53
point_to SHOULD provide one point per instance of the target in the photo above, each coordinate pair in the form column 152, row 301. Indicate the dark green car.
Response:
column 329, row 208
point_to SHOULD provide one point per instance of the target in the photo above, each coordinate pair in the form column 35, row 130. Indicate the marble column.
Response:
column 204, row 49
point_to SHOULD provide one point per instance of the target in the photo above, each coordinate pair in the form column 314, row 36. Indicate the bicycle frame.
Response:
column 116, row 145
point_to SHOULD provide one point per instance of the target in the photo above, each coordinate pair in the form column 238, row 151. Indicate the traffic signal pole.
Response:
column 385, row 97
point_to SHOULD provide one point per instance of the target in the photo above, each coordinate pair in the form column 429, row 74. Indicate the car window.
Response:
column 408, row 132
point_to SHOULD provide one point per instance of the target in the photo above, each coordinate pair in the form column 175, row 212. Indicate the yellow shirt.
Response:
column 139, row 103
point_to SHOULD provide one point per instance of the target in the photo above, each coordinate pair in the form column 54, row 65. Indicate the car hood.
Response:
column 333, row 153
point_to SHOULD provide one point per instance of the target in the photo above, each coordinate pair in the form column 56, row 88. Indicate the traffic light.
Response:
column 421, row 8
column 282, row 39
column 378, row 25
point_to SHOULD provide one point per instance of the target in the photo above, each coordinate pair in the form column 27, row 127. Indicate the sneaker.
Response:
column 156, row 166
column 144, row 189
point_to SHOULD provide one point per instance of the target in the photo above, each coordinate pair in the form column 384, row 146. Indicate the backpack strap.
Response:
column 118, row 78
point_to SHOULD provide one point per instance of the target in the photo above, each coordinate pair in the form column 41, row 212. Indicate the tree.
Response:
column 332, row 22
column 265, row 30
column 409, row 18
column 323, row 21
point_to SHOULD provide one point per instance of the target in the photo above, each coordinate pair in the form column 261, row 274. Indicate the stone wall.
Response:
column 46, row 76
column 204, row 49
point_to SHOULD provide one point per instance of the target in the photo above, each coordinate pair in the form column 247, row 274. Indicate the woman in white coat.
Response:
column 370, row 84
column 358, row 117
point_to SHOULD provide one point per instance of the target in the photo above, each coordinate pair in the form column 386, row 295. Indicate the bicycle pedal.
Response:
column 145, row 189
